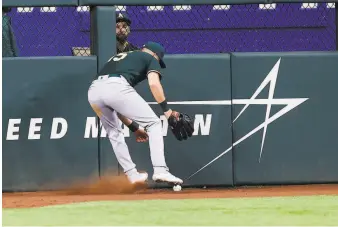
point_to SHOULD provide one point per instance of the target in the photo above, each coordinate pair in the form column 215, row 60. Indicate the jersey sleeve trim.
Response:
column 159, row 74
column 154, row 71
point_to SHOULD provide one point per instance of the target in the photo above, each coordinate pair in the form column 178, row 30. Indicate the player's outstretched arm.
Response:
column 141, row 135
column 158, row 93
column 124, row 120
column 181, row 124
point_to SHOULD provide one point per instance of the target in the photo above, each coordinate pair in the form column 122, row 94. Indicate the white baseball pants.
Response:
column 111, row 95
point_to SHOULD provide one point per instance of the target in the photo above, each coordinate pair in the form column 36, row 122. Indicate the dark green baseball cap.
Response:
column 122, row 17
column 158, row 49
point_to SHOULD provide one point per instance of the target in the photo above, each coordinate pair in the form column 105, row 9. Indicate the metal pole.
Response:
column 336, row 7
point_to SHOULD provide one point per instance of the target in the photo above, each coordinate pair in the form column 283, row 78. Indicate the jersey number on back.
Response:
column 118, row 57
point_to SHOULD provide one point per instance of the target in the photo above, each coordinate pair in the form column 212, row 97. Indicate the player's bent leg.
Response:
column 156, row 143
column 115, row 134
column 112, row 125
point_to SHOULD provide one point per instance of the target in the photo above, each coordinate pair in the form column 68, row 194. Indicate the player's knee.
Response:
column 116, row 136
column 155, row 123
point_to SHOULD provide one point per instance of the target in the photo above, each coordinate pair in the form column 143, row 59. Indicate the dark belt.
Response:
column 120, row 76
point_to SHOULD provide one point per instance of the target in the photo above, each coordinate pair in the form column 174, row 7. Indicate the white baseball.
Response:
column 177, row 188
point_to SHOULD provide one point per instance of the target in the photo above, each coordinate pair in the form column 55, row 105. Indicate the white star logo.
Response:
column 271, row 78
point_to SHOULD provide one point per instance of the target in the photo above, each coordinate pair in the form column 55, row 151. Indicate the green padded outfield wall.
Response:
column 300, row 143
column 45, row 110
column 300, row 138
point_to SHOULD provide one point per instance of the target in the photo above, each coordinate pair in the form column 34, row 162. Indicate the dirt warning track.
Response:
column 119, row 189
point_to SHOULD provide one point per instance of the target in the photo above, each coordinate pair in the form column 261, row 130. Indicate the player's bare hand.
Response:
column 141, row 135
column 172, row 113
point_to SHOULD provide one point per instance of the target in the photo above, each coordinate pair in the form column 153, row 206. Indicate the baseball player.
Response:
column 122, row 32
column 112, row 96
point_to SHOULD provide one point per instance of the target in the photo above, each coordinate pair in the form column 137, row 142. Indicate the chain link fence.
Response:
column 47, row 31
column 65, row 31
column 235, row 28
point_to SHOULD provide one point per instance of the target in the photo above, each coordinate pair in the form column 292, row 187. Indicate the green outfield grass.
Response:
column 307, row 210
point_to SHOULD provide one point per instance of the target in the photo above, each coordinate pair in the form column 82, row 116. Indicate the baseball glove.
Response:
column 181, row 125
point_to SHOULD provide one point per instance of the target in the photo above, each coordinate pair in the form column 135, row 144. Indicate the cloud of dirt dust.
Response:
column 110, row 183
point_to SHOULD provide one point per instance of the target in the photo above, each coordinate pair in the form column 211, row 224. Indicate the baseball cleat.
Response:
column 167, row 177
column 137, row 177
